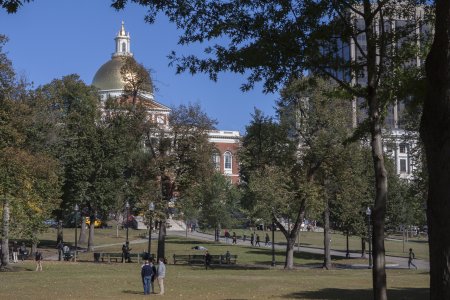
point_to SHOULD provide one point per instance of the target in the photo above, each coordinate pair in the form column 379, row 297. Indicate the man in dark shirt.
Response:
column 146, row 274
column 411, row 256
column 207, row 260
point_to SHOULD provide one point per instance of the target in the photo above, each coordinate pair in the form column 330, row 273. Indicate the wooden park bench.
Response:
column 232, row 259
column 116, row 256
column 198, row 259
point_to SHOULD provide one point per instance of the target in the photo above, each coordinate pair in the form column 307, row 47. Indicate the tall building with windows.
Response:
column 397, row 144
column 109, row 80
column 225, row 159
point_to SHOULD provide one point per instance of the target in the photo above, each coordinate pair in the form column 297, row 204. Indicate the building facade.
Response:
column 109, row 80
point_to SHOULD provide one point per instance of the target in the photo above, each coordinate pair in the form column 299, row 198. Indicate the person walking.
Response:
column 161, row 275
column 15, row 252
column 411, row 256
column 38, row 258
column 227, row 236
column 146, row 274
column 207, row 260
column 60, row 247
column 267, row 241
column 234, row 237
column 23, row 251
column 257, row 241
column 252, row 238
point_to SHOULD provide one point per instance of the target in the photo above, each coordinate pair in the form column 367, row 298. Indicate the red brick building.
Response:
column 226, row 146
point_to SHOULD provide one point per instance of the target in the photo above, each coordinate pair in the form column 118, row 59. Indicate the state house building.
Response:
column 108, row 79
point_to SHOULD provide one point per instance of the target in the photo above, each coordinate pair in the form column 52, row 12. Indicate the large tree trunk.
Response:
column 162, row 240
column 90, row 246
column 326, row 237
column 363, row 247
column 291, row 236
column 34, row 247
column 375, row 125
column 83, row 234
column 378, row 216
column 59, row 233
column 435, row 133
column 5, row 233
column 289, row 259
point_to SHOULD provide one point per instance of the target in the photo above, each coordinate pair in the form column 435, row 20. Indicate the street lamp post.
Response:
column 76, row 208
column 127, row 206
column 273, row 244
column 368, row 213
column 347, row 253
column 151, row 208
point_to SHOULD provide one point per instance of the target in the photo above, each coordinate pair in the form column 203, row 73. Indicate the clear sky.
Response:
column 52, row 38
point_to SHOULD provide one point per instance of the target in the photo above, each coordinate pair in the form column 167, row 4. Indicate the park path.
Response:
column 393, row 262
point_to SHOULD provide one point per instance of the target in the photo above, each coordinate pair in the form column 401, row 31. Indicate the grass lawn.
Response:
column 84, row 280
column 250, row 279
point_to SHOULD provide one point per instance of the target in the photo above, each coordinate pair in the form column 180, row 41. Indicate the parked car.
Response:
column 51, row 223
column 97, row 222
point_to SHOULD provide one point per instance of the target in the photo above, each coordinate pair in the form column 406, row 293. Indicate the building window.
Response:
column 124, row 47
column 216, row 160
column 402, row 148
column 228, row 160
column 402, row 165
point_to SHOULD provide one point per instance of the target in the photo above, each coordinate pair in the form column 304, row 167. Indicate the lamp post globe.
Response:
column 369, row 213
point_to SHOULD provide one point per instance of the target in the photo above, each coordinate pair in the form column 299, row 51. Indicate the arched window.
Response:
column 216, row 160
column 228, row 162
column 124, row 47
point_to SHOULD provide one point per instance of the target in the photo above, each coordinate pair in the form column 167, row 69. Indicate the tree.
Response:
column 30, row 182
column 12, row 6
column 179, row 158
column 434, row 131
column 275, row 188
column 136, row 77
column 216, row 199
column 88, row 150
column 277, row 41
column 319, row 117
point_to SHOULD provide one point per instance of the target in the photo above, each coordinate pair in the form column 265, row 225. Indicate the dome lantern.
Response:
column 122, row 43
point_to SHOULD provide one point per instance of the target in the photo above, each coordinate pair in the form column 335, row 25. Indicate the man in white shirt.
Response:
column 161, row 275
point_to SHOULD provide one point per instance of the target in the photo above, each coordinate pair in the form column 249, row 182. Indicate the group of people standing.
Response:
column 255, row 239
column 149, row 272
column 19, row 251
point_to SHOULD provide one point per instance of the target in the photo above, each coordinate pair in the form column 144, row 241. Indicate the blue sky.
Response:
column 52, row 38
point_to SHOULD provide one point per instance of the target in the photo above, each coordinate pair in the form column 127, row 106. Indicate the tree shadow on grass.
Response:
column 47, row 244
column 188, row 242
column 347, row 294
column 132, row 292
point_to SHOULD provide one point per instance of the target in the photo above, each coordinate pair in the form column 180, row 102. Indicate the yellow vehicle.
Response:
column 97, row 222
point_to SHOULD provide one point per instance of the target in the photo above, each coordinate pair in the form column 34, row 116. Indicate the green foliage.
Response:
column 136, row 78
column 30, row 175
column 216, row 199
column 12, row 6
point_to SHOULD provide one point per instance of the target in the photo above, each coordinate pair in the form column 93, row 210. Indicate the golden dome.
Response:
column 108, row 77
